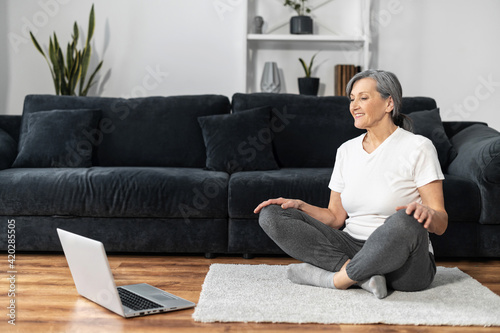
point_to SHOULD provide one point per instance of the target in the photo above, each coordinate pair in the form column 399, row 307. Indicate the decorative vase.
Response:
column 270, row 78
column 258, row 22
column 301, row 25
column 308, row 85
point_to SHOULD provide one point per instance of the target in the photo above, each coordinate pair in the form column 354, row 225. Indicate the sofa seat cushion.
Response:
column 248, row 189
column 114, row 192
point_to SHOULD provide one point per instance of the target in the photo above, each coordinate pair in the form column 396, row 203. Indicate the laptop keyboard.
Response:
column 136, row 302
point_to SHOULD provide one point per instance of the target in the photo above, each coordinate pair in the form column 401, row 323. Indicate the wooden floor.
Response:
column 46, row 299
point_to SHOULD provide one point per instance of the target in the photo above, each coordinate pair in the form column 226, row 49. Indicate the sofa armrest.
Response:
column 8, row 150
column 478, row 160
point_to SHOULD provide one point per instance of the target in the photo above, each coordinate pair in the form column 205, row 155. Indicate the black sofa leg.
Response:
column 210, row 255
column 248, row 256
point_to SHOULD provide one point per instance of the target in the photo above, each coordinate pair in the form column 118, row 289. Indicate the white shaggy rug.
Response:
column 262, row 293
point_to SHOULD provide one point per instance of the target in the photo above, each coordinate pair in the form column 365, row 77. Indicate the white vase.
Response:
column 270, row 81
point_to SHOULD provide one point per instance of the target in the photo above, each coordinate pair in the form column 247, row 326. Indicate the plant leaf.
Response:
column 56, row 42
column 311, row 64
column 53, row 53
column 69, row 55
column 305, row 67
column 87, row 51
column 90, row 83
column 63, row 72
column 74, row 74
column 85, row 65
column 33, row 39
column 76, row 32
column 37, row 46
column 91, row 25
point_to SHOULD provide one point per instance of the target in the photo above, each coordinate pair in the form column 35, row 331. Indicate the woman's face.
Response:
column 367, row 106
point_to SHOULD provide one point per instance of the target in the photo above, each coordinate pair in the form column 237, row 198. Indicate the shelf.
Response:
column 340, row 43
column 304, row 38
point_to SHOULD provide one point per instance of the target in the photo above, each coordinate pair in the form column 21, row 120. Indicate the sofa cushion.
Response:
column 308, row 129
column 412, row 104
column 116, row 192
column 239, row 142
column 248, row 189
column 8, row 150
column 428, row 123
column 57, row 138
column 149, row 131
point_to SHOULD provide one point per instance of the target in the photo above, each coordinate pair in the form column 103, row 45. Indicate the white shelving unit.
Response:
column 304, row 38
column 275, row 43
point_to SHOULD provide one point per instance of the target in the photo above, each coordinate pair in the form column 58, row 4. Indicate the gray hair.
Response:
column 387, row 85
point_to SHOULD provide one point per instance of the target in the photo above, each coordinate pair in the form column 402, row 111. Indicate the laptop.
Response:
column 93, row 279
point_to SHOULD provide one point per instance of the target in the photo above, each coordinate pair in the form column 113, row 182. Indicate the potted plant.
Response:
column 69, row 67
column 301, row 24
column 308, row 85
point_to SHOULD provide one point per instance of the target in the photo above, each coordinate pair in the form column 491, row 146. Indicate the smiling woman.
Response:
column 385, row 241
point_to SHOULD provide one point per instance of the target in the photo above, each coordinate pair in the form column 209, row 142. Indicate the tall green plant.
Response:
column 71, row 70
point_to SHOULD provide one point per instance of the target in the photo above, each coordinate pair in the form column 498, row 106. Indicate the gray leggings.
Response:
column 399, row 249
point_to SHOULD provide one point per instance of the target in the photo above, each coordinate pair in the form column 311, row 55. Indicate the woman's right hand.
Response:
column 284, row 203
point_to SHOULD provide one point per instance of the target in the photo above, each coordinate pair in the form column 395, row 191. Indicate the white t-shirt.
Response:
column 373, row 185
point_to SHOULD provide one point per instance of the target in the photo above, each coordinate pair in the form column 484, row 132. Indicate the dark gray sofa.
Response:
column 182, row 174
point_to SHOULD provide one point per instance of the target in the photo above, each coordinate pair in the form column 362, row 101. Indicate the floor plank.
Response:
column 46, row 299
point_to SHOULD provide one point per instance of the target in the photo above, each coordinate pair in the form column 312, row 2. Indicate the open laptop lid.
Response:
column 90, row 269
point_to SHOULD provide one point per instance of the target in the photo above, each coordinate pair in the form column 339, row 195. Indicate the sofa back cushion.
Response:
column 309, row 129
column 428, row 123
column 148, row 131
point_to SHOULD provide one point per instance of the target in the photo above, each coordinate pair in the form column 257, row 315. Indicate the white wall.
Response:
column 154, row 47
column 447, row 49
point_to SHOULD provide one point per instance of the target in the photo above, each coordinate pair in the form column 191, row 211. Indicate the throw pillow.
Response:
column 239, row 142
column 8, row 150
column 428, row 123
column 58, row 138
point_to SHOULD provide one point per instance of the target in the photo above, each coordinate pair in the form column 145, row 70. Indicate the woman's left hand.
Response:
column 421, row 213
column 431, row 212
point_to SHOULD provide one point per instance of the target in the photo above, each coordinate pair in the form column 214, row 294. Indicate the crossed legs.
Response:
column 396, row 251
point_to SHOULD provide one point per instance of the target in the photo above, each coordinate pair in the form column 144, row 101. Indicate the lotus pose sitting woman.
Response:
column 386, row 194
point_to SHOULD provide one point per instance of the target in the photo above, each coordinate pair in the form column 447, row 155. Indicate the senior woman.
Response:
column 386, row 197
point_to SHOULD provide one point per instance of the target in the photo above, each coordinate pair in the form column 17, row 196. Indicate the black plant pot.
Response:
column 301, row 25
column 308, row 85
